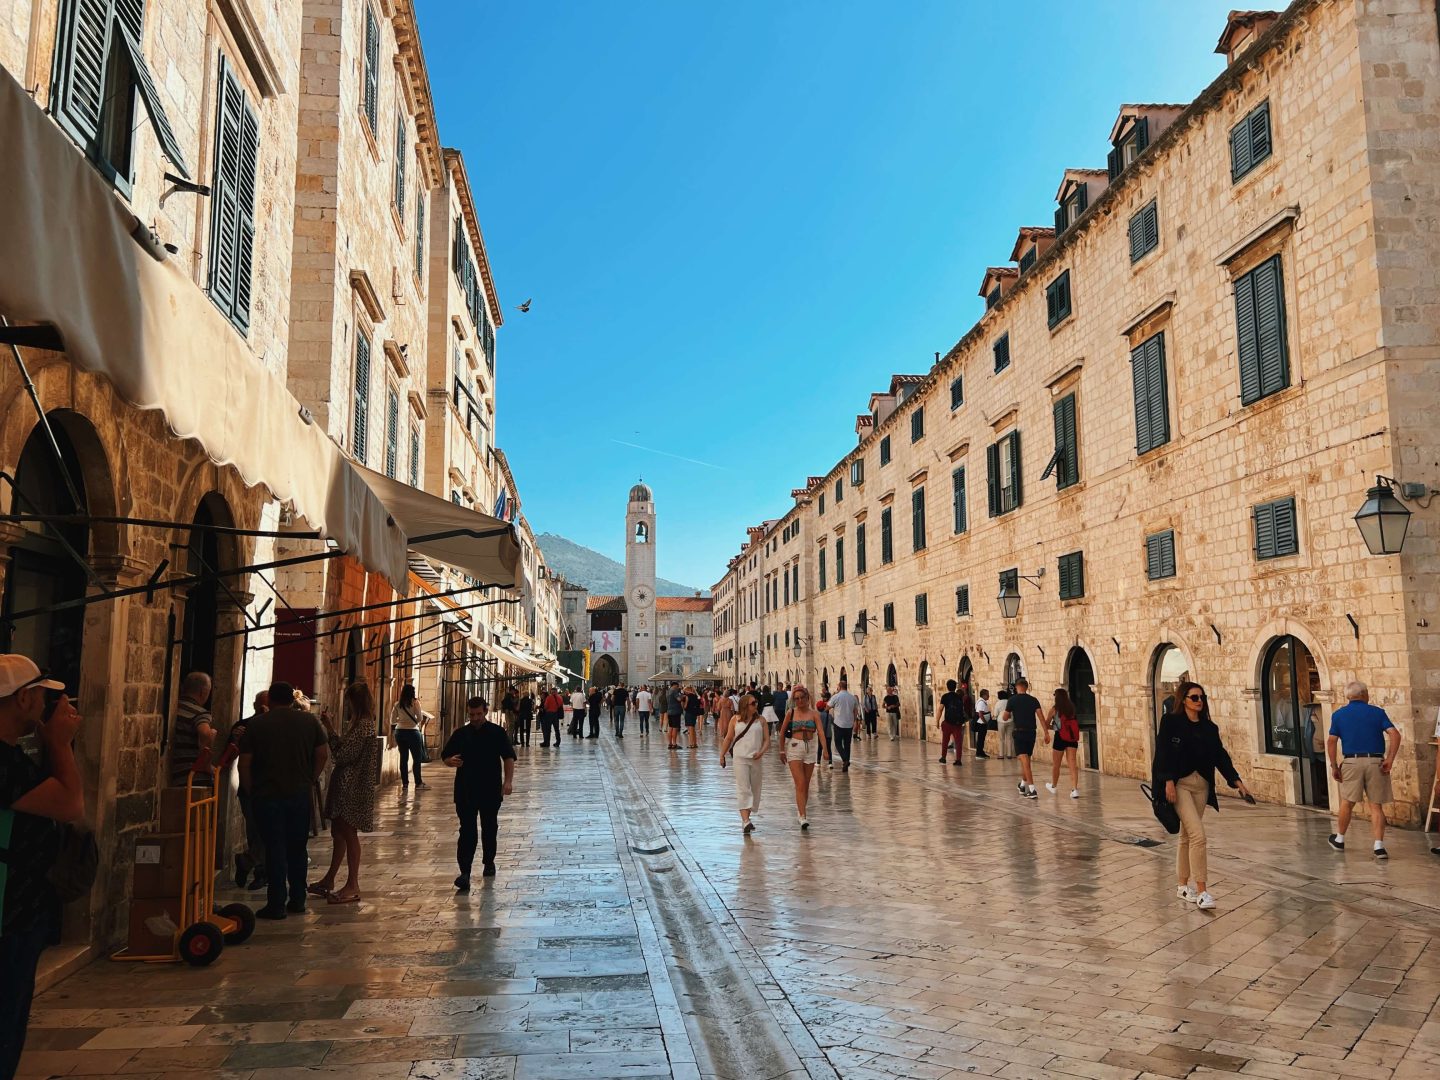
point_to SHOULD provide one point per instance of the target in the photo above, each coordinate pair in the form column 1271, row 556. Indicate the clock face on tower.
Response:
column 640, row 595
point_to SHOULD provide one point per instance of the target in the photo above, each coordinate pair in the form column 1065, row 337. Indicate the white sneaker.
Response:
column 1050, row 788
column 1186, row 893
column 1205, row 901
column 1074, row 793
column 804, row 823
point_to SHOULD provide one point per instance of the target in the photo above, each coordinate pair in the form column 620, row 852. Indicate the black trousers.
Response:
column 842, row 737
column 594, row 723
column 285, row 824
column 525, row 724
column 488, row 811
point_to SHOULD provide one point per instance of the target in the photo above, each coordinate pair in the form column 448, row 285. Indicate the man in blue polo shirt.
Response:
column 1362, row 748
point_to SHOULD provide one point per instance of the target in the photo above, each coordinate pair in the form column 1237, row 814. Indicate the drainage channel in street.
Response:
column 734, row 1028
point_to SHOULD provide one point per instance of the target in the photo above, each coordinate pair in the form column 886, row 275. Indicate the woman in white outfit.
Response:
column 749, row 738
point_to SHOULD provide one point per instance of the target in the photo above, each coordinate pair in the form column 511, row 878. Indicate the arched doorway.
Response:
column 1080, row 681
column 865, row 677
column 825, row 682
column 844, row 678
column 1169, row 667
column 1014, row 671
column 353, row 646
column 1289, row 683
column 927, row 696
column 891, row 678
column 206, row 554
column 605, row 671
column 966, row 672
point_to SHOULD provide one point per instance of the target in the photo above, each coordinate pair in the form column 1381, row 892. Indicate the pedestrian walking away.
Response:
column 1004, row 726
column 844, row 711
column 952, row 722
column 748, row 740
column 510, row 713
column 1023, row 710
column 892, row 711
column 642, row 708
column 1066, row 726
column 596, row 702
column 484, row 764
column 802, row 739
column 979, row 725
column 870, row 708
column 407, row 724
column 526, row 717
column 577, row 714
column 350, row 801
column 1188, row 751
column 282, row 755
column 725, row 714
column 779, row 700
column 1361, row 746
column 35, row 802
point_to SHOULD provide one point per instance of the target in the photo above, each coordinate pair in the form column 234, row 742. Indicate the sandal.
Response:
column 343, row 898
column 317, row 889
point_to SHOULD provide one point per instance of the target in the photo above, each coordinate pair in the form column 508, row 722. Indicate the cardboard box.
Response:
column 172, row 810
column 153, row 925
column 159, row 866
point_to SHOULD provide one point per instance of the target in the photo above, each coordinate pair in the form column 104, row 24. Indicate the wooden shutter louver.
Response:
column 400, row 163
column 1147, row 375
column 232, row 211
column 992, row 478
column 78, row 97
column 957, row 495
column 1013, row 449
column 360, row 436
column 372, row 70
column 1260, row 331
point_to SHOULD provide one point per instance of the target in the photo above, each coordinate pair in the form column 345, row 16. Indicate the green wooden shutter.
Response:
column 1271, row 357
column 839, row 560
column 82, row 47
column 419, row 234
column 860, row 548
column 372, row 69
column 1140, row 383
column 1067, row 458
column 1264, row 515
column 225, row 191
column 400, row 163
column 1287, row 537
column 1115, row 162
column 392, row 433
column 1137, row 237
column 1158, row 390
column 957, row 496
column 145, row 84
column 361, row 433
column 1259, row 133
column 1246, row 339
column 249, row 151
column 1060, row 219
column 1152, row 227
column 992, row 478
column 1082, row 197
column 917, row 519
column 1013, row 440
column 1142, row 135
column 822, row 569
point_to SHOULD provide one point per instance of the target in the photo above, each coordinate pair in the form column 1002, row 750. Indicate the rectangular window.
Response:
column 824, row 628
column 1070, row 210
column 1065, row 462
column 1072, row 576
column 839, row 560
column 414, row 455
column 1160, row 555
column 887, row 539
column 392, row 433
column 1250, row 142
column 962, row 599
column 922, row 609
column 957, row 499
column 400, row 163
column 420, row 235
column 232, row 200
column 857, row 472
column 785, row 577
column 1028, row 259
column 887, row 617
column 840, row 628
column 372, row 70
column 885, row 450
column 992, row 298
column 1144, row 232
column 917, row 424
column 839, row 491
column 957, row 392
column 860, row 548
column 795, row 582
column 1057, row 300
column 1260, row 331
column 917, row 519
column 360, row 435
column 822, row 581
column 1002, row 352
column 1152, row 409
column 1002, row 474
column 821, row 509
column 1276, row 534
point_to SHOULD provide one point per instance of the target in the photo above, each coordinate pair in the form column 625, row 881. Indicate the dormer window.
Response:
column 992, row 298
column 1028, row 259
column 1071, row 207
column 1130, row 146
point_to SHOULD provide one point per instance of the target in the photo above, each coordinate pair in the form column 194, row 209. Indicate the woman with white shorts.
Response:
column 749, row 738
column 802, row 741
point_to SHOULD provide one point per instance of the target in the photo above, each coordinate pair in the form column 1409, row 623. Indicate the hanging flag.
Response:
column 500, row 505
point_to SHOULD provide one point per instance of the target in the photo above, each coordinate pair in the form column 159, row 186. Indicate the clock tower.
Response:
column 640, row 628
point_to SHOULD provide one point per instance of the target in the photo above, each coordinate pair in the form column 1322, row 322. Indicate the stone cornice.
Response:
column 455, row 163
column 410, row 60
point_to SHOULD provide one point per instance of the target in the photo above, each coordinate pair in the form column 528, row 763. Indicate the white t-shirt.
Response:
column 642, row 701
column 982, row 708
column 577, row 701
column 843, row 709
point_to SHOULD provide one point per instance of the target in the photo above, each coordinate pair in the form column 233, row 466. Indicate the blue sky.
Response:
column 737, row 219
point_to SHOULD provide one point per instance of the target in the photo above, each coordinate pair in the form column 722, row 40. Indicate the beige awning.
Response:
column 519, row 660
column 70, row 260
column 477, row 544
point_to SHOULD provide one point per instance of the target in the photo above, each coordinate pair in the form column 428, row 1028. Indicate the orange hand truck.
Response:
column 202, row 930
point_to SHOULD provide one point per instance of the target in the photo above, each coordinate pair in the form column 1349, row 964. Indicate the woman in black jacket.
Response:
column 1188, row 750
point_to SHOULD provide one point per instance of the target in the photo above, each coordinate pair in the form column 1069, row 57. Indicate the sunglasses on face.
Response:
column 1196, row 697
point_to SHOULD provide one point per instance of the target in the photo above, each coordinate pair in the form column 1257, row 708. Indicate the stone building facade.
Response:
column 1159, row 430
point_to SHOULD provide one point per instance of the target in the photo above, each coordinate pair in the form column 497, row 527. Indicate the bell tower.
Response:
column 640, row 585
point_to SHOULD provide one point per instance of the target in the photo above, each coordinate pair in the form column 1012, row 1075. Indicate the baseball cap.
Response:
column 18, row 672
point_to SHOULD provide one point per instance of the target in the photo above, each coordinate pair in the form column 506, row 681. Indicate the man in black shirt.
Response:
column 952, row 723
column 1024, row 709
column 33, row 805
column 484, row 764
column 595, row 701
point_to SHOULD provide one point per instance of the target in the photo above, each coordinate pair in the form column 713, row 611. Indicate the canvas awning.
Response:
column 72, row 260
column 477, row 544
column 517, row 659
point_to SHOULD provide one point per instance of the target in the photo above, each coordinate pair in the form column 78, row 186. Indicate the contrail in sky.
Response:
column 666, row 453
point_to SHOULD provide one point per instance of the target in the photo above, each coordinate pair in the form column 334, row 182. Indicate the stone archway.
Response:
column 1080, row 682
column 605, row 671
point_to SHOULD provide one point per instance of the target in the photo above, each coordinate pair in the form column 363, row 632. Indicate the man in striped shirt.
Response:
column 194, row 727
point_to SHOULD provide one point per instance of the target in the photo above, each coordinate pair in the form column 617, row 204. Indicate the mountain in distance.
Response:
column 602, row 575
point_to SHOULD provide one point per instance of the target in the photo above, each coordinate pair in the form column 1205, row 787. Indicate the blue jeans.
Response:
column 285, row 825
column 19, row 957
column 412, row 747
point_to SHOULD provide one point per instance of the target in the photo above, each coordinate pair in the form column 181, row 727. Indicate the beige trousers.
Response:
column 1191, row 795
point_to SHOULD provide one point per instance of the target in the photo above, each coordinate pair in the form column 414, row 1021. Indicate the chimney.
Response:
column 1243, row 29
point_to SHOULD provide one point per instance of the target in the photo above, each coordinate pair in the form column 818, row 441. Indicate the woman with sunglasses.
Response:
column 748, row 738
column 802, row 740
column 1188, row 750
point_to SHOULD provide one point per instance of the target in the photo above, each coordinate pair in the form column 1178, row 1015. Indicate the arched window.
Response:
column 1014, row 671
column 1168, row 670
column 642, row 533
column 1293, row 726
column 891, row 678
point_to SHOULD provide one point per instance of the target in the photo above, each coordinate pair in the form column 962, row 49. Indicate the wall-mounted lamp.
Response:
column 1009, row 597
column 1383, row 519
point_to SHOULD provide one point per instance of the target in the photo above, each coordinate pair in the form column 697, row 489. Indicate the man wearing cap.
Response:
column 32, row 806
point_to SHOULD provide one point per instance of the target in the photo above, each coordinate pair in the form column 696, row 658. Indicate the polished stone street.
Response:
column 930, row 923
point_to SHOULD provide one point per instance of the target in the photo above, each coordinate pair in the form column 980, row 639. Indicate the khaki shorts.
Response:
column 805, row 751
column 1362, row 781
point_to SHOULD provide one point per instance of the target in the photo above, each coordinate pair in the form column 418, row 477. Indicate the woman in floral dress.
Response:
column 350, row 802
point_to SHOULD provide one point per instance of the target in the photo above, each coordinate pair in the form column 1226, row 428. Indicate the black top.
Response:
column 693, row 706
column 618, row 696
column 282, row 744
column 526, row 709
column 34, row 841
column 1183, row 747
column 954, row 707
column 482, row 749
column 892, row 702
column 1024, row 709
column 596, row 700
